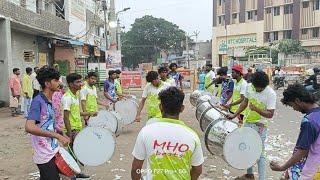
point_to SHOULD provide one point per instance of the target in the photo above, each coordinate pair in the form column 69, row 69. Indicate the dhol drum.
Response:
column 94, row 146
column 209, row 115
column 127, row 108
column 194, row 97
column 107, row 119
column 239, row 147
column 66, row 164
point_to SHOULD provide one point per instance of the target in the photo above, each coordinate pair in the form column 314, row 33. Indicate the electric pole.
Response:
column 105, row 7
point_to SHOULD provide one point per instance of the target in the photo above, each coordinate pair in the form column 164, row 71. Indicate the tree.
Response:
column 289, row 46
column 147, row 37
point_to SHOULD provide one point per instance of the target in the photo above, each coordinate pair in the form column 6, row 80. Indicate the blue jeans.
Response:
column 26, row 106
column 262, row 161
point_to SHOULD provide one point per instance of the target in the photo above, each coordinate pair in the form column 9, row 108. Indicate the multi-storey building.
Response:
column 238, row 24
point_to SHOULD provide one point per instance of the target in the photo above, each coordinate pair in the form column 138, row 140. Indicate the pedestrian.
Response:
column 110, row 88
column 15, row 88
column 175, row 75
column 117, row 83
column 71, row 110
column 304, row 162
column 201, row 80
column 171, row 148
column 89, row 96
column 239, row 90
column 164, row 77
column 35, row 84
column 209, row 79
column 40, row 124
column 261, row 100
column 150, row 96
column 27, row 91
column 227, row 85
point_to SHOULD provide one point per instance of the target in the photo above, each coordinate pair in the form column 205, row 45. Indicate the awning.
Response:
column 71, row 41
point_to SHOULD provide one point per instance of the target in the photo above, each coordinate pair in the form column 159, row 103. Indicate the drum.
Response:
column 66, row 164
column 107, row 119
column 127, row 108
column 194, row 97
column 94, row 146
column 201, row 108
column 209, row 115
column 239, row 147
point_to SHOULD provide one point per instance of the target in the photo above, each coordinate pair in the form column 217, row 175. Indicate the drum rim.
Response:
column 74, row 170
column 198, row 110
column 260, row 142
column 201, row 117
column 208, row 131
column 136, row 104
column 117, row 126
column 113, row 137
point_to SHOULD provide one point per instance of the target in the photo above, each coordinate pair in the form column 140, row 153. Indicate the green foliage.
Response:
column 147, row 37
column 289, row 46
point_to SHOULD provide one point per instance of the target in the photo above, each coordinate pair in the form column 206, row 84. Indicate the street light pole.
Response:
column 104, row 6
column 119, row 28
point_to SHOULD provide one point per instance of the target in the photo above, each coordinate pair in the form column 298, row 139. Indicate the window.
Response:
column 276, row 11
column 304, row 31
column 234, row 16
column 287, row 34
column 220, row 2
column 315, row 32
column 305, row 4
column 220, row 19
column 268, row 10
column 28, row 56
column 275, row 36
column 249, row 15
column 288, row 9
column 316, row 5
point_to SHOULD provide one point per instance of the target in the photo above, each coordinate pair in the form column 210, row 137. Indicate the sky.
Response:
column 189, row 15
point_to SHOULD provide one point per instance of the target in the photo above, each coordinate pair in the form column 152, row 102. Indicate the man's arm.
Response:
column 238, row 101
column 66, row 120
column 136, row 169
column 296, row 157
column 141, row 105
column 265, row 113
column 195, row 172
column 83, row 105
column 106, row 94
column 242, row 107
column 30, row 127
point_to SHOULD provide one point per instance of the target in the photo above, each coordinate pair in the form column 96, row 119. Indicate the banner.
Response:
column 131, row 79
column 42, row 59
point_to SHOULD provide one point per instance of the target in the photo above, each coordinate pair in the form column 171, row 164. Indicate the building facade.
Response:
column 238, row 24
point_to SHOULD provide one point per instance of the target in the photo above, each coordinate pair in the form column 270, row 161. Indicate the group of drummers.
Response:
column 171, row 148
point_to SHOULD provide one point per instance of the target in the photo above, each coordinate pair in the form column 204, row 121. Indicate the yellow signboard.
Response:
column 42, row 59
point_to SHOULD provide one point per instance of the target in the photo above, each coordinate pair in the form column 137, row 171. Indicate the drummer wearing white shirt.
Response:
column 163, row 72
column 261, row 102
column 150, row 96
column 175, row 154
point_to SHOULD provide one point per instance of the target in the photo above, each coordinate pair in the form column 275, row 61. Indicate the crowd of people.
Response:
column 56, row 113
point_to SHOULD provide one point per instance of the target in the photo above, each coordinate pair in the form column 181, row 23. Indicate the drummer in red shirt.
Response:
column 40, row 124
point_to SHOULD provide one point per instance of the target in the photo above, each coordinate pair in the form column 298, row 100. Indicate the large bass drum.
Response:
column 194, row 97
column 107, row 119
column 239, row 147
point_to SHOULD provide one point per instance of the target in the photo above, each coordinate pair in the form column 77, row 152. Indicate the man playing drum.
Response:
column 240, row 86
column 117, row 83
column 110, row 88
column 150, row 96
column 163, row 72
column 261, row 100
column 175, row 154
column 71, row 110
column 89, row 95
column 306, row 155
column 40, row 124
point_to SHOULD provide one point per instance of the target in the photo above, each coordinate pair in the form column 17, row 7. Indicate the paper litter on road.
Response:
column 117, row 177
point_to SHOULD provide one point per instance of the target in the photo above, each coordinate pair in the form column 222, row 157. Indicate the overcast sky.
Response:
column 189, row 15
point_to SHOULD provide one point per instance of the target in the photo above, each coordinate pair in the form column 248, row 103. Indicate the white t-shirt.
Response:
column 85, row 91
column 211, row 74
column 169, row 155
column 241, row 86
column 267, row 100
column 152, row 90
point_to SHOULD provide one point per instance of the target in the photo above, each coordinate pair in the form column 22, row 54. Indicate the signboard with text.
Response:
column 236, row 42
column 131, row 79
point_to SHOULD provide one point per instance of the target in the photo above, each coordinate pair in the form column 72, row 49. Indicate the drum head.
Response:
column 242, row 148
column 207, row 117
column 94, row 146
column 216, row 133
column 104, row 119
column 120, row 122
column 69, row 160
column 127, row 109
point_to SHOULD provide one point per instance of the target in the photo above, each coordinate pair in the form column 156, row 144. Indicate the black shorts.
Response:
column 49, row 170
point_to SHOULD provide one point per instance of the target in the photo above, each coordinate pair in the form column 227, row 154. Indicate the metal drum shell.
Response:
column 201, row 108
column 208, row 116
column 194, row 97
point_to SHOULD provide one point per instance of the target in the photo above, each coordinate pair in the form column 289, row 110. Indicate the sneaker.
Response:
column 82, row 176
column 245, row 177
